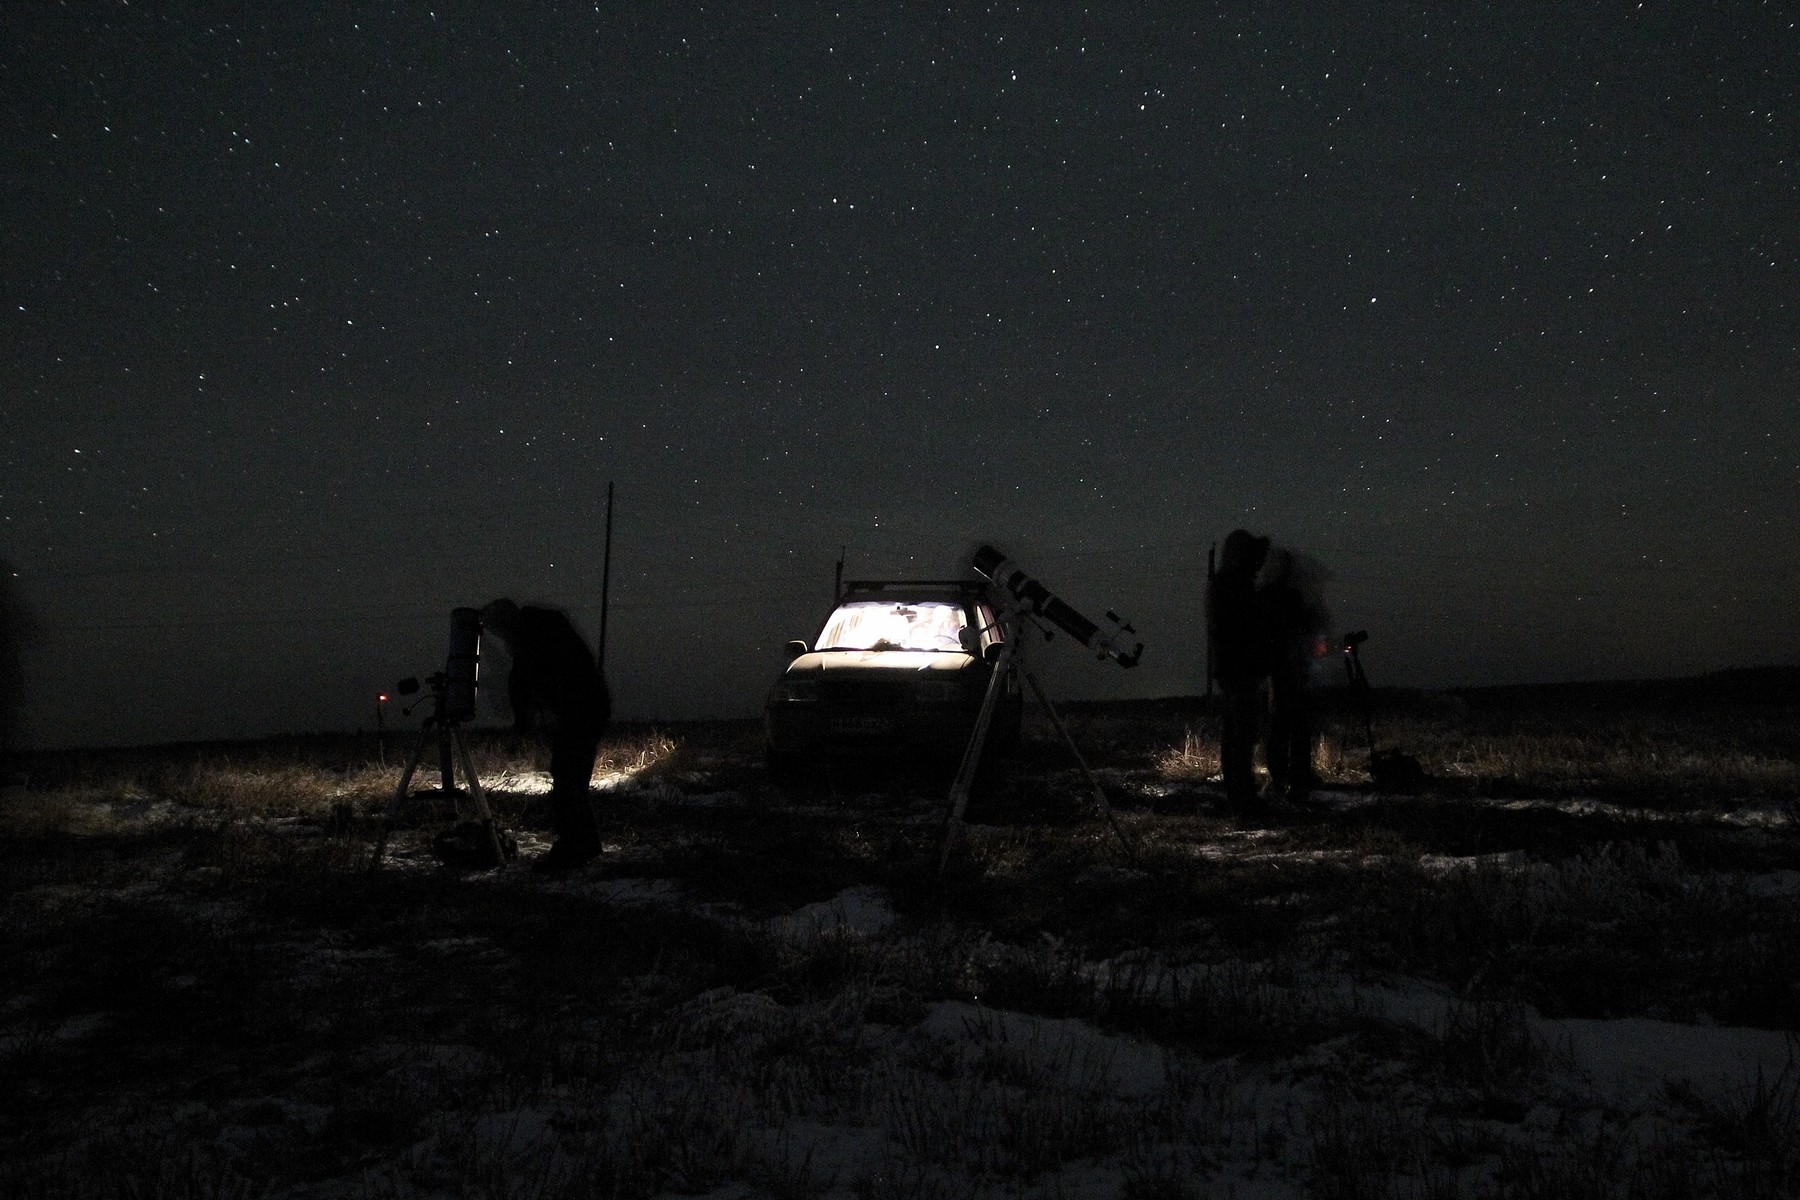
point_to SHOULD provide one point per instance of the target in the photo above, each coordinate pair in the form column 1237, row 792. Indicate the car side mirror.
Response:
column 795, row 649
column 993, row 652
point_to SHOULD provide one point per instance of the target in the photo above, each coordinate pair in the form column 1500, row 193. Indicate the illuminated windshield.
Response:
column 888, row 625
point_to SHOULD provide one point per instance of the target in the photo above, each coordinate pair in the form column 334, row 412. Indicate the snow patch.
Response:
column 1633, row 1061
column 861, row 911
column 1063, row 1048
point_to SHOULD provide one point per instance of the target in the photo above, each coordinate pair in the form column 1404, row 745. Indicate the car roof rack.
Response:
column 962, row 587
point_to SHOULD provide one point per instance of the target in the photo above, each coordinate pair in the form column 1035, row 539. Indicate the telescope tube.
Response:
column 462, row 664
column 1037, row 599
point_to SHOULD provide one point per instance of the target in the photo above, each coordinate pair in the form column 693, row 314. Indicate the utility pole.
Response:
column 1212, row 552
column 605, row 583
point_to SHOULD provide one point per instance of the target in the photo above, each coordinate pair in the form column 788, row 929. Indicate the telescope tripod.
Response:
column 1010, row 660
column 446, row 732
column 1359, row 687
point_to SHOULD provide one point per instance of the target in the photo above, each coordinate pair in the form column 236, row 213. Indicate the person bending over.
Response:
column 558, row 695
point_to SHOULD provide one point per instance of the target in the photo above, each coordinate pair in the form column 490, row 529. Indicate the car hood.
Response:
column 879, row 662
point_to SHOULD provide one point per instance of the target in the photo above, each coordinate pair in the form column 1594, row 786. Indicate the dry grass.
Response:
column 1662, row 756
column 202, row 960
column 641, row 755
column 1544, row 744
column 34, row 815
column 91, row 791
column 1194, row 759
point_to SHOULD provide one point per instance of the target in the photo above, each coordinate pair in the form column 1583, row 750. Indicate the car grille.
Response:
column 857, row 693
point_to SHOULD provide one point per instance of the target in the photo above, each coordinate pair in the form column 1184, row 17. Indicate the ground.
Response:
column 1569, row 965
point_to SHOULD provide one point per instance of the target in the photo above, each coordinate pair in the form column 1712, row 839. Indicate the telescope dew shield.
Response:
column 462, row 665
column 1037, row 599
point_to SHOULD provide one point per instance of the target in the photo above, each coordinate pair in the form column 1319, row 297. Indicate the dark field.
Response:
column 1569, row 965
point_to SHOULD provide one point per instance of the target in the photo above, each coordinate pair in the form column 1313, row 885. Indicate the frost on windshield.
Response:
column 887, row 625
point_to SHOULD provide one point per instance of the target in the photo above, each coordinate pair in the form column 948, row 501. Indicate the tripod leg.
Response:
column 446, row 756
column 1093, row 783
column 965, row 774
column 387, row 823
column 1359, row 682
column 482, row 810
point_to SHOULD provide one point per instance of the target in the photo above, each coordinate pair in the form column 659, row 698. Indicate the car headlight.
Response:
column 795, row 690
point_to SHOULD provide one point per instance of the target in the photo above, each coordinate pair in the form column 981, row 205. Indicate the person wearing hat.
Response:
column 558, row 695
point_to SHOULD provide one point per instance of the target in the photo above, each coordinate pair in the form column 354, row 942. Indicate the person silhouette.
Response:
column 1240, row 660
column 557, row 695
column 1293, row 619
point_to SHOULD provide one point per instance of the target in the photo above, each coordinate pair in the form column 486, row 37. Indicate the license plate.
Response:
column 862, row 725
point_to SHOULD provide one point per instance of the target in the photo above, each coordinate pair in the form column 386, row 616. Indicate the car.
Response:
column 899, row 670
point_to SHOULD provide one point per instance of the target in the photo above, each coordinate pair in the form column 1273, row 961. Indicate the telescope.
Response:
column 1037, row 600
column 453, row 688
column 462, row 664
column 453, row 702
column 1018, row 596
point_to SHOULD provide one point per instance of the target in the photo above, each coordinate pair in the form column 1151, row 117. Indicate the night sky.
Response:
column 322, row 320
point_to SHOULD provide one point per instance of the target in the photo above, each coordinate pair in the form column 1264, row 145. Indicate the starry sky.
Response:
column 319, row 321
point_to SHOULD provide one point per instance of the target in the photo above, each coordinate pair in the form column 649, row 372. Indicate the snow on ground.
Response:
column 1634, row 1063
column 1085, row 1059
column 1021, row 1081
column 1635, row 1069
column 860, row 911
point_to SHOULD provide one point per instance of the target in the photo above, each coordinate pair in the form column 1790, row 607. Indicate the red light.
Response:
column 381, row 698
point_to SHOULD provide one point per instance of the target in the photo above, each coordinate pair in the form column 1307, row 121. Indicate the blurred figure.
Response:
column 1239, row 660
column 557, row 695
column 1291, row 608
